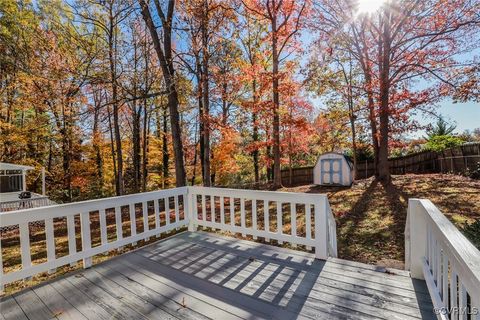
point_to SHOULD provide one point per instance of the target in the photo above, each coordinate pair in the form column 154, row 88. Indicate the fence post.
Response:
column 415, row 239
column 366, row 169
column 321, row 233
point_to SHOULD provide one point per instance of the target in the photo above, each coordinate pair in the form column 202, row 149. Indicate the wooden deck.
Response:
column 201, row 275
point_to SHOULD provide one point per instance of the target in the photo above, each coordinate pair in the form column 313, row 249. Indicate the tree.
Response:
column 106, row 18
column 337, row 79
column 442, row 142
column 396, row 46
column 285, row 19
column 165, row 57
column 441, row 128
column 253, row 70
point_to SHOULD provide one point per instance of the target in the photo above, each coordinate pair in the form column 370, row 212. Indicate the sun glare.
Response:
column 369, row 6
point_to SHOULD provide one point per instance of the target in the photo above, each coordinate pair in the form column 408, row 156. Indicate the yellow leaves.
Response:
column 224, row 161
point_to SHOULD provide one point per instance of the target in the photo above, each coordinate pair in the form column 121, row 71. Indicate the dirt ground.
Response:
column 371, row 218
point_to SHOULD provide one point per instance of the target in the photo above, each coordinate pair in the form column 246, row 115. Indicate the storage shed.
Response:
column 333, row 169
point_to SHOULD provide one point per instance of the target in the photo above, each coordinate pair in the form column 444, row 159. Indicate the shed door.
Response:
column 331, row 171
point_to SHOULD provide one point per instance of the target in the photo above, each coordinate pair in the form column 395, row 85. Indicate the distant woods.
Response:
column 117, row 97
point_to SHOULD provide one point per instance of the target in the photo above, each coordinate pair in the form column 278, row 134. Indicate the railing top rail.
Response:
column 465, row 255
column 33, row 214
column 260, row 194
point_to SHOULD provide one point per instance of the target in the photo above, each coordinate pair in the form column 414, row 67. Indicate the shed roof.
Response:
column 347, row 158
column 11, row 166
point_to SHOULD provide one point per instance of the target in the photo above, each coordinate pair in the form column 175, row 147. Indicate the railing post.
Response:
column 321, row 233
column 189, row 210
column 415, row 239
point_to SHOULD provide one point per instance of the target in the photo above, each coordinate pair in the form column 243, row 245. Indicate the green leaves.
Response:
column 439, row 143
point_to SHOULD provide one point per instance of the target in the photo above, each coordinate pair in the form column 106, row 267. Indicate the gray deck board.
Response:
column 84, row 304
column 125, row 277
column 284, row 281
column 57, row 304
column 32, row 306
column 10, row 309
column 112, row 303
column 207, row 276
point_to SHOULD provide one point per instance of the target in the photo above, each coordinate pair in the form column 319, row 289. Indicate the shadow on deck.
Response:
column 201, row 275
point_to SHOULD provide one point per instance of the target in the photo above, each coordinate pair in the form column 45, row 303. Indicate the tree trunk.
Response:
column 165, row 156
column 255, row 152
column 383, row 165
column 206, row 96
column 146, row 134
column 136, row 127
column 195, row 156
column 277, row 179
column 352, row 118
column 96, row 148
column 116, row 120
column 201, row 119
column 166, row 62
column 112, row 147
column 372, row 119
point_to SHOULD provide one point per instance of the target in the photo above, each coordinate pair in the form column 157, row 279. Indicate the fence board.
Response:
column 460, row 159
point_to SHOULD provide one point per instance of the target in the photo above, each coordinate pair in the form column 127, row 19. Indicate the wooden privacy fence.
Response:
column 461, row 159
column 298, row 219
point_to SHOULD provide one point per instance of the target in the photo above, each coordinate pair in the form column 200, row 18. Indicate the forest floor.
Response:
column 371, row 218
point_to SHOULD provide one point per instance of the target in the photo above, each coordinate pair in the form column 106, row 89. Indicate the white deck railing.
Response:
column 25, row 204
column 231, row 215
column 439, row 253
column 185, row 206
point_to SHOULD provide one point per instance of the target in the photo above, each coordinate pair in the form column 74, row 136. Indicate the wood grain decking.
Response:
column 206, row 276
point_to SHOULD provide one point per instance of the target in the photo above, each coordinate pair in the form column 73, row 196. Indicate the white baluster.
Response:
column 167, row 211
column 266, row 218
column 204, row 208
column 453, row 294
column 308, row 223
column 86, row 237
column 145, row 218
column 232, row 211
column 254, row 217
column 103, row 226
column 445, row 279
column 242, row 216
column 133, row 221
column 212, row 209
column 462, row 301
column 177, row 209
column 25, row 245
column 157, row 215
column 222, row 210
column 72, row 244
column 118, row 224
column 50, row 242
column 279, row 220
column 293, row 222
column 2, row 285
